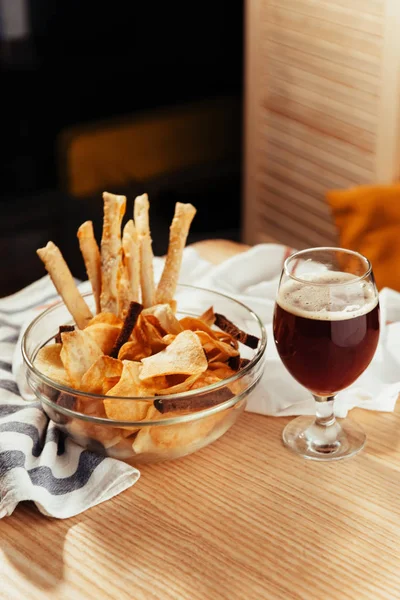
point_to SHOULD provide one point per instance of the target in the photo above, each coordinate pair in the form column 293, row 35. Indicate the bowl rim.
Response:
column 180, row 395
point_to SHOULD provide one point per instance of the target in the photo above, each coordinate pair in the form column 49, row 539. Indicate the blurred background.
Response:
column 173, row 99
column 126, row 97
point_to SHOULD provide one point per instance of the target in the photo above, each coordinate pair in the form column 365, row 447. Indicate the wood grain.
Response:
column 241, row 519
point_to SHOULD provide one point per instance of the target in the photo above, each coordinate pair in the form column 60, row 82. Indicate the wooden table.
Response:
column 243, row 518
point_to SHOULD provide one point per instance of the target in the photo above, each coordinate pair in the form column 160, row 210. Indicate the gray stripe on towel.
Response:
column 10, row 409
column 5, row 366
column 9, row 385
column 43, row 476
column 39, row 441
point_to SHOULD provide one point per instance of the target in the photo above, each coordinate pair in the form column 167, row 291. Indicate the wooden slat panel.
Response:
column 357, row 42
column 307, row 183
column 279, row 202
column 341, row 157
column 319, row 100
column 346, row 96
column 320, row 66
column 319, row 110
column 313, row 45
column 333, row 13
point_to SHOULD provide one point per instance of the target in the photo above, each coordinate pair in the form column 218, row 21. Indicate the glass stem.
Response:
column 325, row 417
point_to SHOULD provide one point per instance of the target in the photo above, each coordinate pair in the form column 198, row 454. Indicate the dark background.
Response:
column 84, row 62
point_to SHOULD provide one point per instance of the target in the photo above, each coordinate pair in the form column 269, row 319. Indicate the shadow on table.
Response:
column 34, row 546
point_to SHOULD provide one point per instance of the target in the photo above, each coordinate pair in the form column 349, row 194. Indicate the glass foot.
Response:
column 342, row 439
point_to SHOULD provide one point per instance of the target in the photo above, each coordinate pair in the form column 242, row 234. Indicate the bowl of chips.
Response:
column 134, row 370
column 170, row 403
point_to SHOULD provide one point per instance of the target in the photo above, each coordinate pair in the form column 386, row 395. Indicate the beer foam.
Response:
column 326, row 302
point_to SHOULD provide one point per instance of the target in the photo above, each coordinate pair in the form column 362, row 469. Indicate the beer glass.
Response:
column 326, row 330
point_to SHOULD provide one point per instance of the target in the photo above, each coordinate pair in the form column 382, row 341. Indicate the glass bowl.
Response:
column 160, row 436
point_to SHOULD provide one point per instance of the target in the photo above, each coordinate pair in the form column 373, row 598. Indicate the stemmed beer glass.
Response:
column 326, row 330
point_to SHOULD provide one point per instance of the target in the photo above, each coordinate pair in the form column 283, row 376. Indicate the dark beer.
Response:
column 326, row 335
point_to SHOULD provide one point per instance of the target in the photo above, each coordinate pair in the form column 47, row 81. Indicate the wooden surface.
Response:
column 241, row 519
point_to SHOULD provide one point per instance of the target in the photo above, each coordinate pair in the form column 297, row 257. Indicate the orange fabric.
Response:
column 368, row 221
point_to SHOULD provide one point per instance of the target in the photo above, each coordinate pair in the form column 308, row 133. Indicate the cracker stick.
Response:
column 64, row 283
column 111, row 251
column 91, row 257
column 141, row 214
column 129, row 276
column 179, row 230
column 130, row 245
column 124, row 291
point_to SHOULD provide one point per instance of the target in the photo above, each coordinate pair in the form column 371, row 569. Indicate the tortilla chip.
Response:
column 166, row 318
column 48, row 361
column 106, row 317
column 102, row 375
column 169, row 338
column 104, row 334
column 184, row 356
column 79, row 351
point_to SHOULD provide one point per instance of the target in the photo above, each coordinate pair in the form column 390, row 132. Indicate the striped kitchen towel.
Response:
column 37, row 461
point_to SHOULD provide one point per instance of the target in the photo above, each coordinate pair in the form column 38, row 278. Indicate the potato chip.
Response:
column 221, row 370
column 134, row 350
column 205, row 379
column 104, row 334
column 106, row 317
column 208, row 317
column 166, row 318
column 182, row 436
column 178, row 387
column 149, row 332
column 48, row 362
column 129, row 386
column 183, row 356
column 222, row 336
column 89, row 434
column 214, row 349
column 156, row 324
column 102, row 375
column 79, row 351
column 195, row 324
